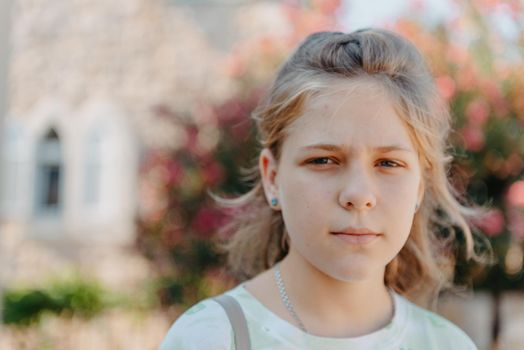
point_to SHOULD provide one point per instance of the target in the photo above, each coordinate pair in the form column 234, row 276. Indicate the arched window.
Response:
column 49, row 174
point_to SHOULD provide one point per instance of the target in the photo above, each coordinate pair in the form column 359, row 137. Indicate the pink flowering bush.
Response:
column 177, row 227
column 484, row 91
column 483, row 86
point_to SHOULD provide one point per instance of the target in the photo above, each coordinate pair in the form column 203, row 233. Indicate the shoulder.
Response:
column 203, row 326
column 437, row 331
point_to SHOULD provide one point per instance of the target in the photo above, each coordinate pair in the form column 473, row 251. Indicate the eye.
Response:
column 320, row 161
column 389, row 163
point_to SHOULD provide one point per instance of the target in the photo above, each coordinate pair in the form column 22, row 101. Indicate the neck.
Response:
column 334, row 308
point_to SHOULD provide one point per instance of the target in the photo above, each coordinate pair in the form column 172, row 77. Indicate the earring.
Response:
column 274, row 201
column 416, row 207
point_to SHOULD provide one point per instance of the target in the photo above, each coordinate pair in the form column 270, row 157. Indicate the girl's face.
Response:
column 347, row 163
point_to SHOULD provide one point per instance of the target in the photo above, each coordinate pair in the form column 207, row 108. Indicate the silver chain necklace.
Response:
column 285, row 299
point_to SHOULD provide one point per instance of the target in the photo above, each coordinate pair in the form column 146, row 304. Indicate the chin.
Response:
column 353, row 273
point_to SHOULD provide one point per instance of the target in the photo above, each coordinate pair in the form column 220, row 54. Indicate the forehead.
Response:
column 359, row 114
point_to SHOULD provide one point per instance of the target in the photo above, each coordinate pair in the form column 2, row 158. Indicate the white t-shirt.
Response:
column 205, row 326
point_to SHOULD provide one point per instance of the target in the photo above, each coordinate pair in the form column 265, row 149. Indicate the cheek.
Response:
column 400, row 207
column 404, row 188
column 300, row 197
column 304, row 203
column 300, row 189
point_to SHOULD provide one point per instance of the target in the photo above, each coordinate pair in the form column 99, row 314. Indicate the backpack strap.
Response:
column 237, row 319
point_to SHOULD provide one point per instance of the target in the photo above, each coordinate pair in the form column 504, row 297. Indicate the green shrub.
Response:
column 24, row 306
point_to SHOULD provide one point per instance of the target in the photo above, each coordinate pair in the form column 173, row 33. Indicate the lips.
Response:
column 357, row 231
column 356, row 239
column 354, row 235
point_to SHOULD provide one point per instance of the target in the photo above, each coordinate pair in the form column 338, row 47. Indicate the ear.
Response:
column 268, row 171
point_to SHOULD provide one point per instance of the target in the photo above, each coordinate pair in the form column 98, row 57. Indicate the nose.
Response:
column 357, row 190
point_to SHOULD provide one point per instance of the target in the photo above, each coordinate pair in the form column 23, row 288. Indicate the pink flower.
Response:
column 473, row 138
column 515, row 195
column 446, row 86
column 176, row 173
column 492, row 90
column 327, row 7
column 207, row 220
column 192, row 140
column 212, row 173
column 514, row 164
column 492, row 223
column 477, row 112
column 457, row 54
column 467, row 79
column 516, row 223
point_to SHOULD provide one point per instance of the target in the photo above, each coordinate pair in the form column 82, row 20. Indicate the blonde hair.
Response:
column 425, row 265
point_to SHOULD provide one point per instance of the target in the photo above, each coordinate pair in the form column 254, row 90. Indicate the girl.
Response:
column 349, row 229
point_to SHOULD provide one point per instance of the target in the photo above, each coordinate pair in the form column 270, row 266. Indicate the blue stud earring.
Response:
column 274, row 201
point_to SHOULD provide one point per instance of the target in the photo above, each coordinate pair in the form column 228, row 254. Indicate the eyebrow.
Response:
column 330, row 147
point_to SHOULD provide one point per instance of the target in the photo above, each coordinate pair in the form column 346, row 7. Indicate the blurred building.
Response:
column 86, row 77
column 86, row 81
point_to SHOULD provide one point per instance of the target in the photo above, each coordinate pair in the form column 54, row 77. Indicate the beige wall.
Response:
column 5, row 21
